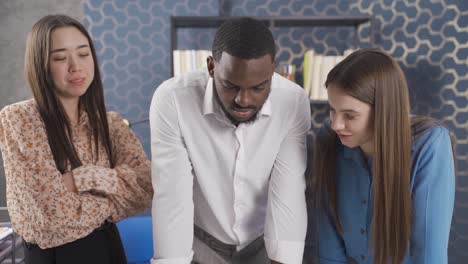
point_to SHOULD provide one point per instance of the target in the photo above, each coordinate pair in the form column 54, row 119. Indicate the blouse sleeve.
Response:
column 40, row 207
column 129, row 188
column 433, row 199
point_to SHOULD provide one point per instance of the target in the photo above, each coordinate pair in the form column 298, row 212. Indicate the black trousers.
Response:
column 102, row 246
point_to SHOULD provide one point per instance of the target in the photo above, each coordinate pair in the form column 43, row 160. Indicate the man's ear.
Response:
column 210, row 64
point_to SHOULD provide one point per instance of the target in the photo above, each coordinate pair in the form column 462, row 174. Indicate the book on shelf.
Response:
column 315, row 75
column 189, row 60
column 315, row 70
column 307, row 67
column 328, row 62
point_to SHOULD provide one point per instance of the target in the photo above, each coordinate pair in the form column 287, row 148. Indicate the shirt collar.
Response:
column 266, row 108
column 350, row 153
column 208, row 101
column 83, row 119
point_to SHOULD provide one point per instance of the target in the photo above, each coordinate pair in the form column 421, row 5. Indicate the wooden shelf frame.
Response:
column 272, row 22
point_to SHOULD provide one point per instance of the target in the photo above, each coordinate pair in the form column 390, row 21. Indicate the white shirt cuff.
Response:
column 186, row 260
column 286, row 252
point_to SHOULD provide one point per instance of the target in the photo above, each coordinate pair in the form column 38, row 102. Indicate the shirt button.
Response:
column 364, row 202
column 363, row 231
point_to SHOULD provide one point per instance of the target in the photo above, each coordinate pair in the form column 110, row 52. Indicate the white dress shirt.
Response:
column 236, row 183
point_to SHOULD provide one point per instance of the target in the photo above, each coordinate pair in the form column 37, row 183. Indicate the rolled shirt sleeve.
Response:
column 172, row 209
column 286, row 220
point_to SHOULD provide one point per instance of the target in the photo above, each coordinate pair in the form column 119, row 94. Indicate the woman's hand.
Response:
column 130, row 160
column 69, row 181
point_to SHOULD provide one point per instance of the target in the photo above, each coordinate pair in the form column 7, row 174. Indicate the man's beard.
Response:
column 228, row 115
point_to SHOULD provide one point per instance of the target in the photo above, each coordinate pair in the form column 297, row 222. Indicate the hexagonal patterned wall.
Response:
column 429, row 38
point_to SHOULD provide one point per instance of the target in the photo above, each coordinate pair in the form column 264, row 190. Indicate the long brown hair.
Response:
column 56, row 122
column 373, row 77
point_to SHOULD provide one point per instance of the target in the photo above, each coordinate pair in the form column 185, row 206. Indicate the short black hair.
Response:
column 245, row 38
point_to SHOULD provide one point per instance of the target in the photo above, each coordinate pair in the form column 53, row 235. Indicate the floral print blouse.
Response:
column 41, row 209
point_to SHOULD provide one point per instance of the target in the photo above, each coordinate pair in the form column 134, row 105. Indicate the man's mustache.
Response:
column 238, row 107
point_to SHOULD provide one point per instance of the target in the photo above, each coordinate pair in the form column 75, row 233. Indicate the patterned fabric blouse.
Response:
column 41, row 209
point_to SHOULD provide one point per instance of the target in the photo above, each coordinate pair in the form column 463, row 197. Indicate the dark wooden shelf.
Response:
column 279, row 21
column 272, row 22
column 318, row 102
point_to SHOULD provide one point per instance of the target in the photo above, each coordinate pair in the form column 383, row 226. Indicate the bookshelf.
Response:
column 177, row 22
column 272, row 22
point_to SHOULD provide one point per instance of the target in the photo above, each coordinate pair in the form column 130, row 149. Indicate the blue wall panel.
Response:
column 429, row 38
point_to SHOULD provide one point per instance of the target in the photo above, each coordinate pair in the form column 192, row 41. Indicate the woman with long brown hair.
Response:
column 383, row 179
column 72, row 169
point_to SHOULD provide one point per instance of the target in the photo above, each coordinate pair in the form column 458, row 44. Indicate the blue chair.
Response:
column 137, row 238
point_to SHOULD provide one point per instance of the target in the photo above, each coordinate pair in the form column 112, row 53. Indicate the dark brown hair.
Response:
column 373, row 77
column 56, row 122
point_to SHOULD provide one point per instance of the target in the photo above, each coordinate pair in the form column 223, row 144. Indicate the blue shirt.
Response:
column 432, row 191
